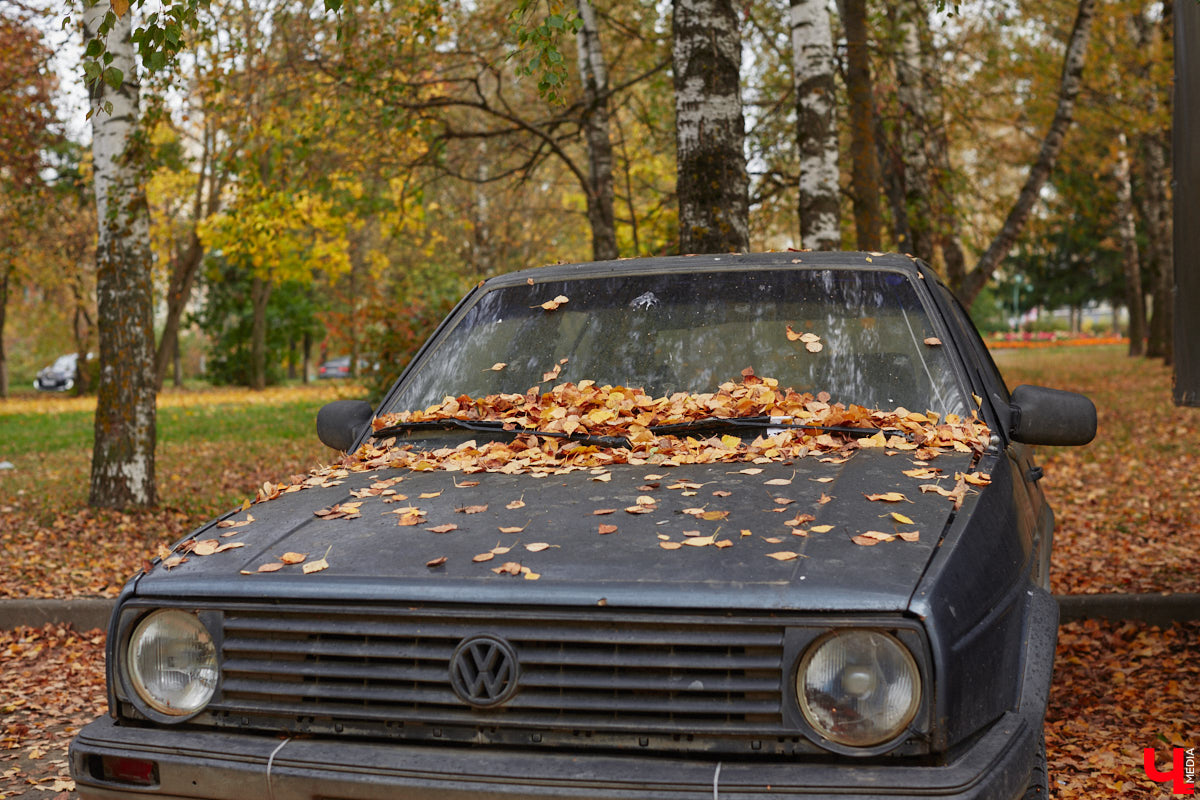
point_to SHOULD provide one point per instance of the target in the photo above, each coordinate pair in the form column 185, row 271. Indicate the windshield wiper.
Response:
column 760, row 423
column 492, row 426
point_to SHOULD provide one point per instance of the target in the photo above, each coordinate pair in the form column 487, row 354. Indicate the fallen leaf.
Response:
column 436, row 562
column 315, row 566
column 272, row 566
column 449, row 526
column 888, row 497
column 903, row 520
column 783, row 555
column 293, row 558
column 537, row 547
column 865, row 541
column 933, row 341
column 488, row 556
column 670, row 545
column 472, row 509
column 499, row 365
column 698, row 541
column 552, row 305
column 515, row 504
column 910, row 536
column 721, row 493
column 206, row 547
column 600, row 512
column 605, row 529
column 513, row 529
column 429, row 495
column 508, row 568
column 821, row 528
column 779, row 482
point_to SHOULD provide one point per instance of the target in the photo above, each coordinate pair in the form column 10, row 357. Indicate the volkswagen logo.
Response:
column 484, row 671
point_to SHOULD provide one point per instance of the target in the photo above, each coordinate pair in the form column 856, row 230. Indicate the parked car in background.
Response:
column 340, row 368
column 59, row 376
column 726, row 526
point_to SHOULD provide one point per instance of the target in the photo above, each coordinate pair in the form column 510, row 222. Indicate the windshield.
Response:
column 858, row 335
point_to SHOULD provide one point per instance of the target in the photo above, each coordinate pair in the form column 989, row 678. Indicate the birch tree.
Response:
column 593, row 74
column 816, row 129
column 123, row 452
column 1052, row 143
column 713, row 188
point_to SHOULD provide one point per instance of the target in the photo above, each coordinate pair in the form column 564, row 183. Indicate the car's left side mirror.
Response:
column 1051, row 416
column 340, row 423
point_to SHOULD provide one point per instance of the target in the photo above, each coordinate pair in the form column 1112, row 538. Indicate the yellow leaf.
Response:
column 783, row 555
column 315, row 566
column 903, row 520
column 821, row 528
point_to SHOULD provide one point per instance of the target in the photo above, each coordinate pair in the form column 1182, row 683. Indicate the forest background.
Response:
column 327, row 178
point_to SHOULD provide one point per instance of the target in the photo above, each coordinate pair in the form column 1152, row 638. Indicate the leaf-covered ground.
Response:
column 1117, row 688
column 1127, row 505
column 215, row 449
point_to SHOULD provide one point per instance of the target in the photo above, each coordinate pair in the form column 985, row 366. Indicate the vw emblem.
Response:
column 484, row 671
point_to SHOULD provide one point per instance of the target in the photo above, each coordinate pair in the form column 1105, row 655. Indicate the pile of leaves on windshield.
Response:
column 584, row 426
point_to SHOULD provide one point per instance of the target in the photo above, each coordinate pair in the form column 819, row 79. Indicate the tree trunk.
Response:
column 5, row 271
column 81, row 328
column 912, row 93
column 865, row 180
column 260, row 292
column 1068, row 90
column 712, row 187
column 593, row 72
column 1155, row 204
column 123, row 453
column 307, row 357
column 1127, row 229
column 816, row 125
column 183, row 275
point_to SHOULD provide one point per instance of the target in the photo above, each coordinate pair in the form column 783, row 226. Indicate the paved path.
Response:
column 1157, row 609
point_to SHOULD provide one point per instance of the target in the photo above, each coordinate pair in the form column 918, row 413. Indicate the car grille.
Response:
column 661, row 674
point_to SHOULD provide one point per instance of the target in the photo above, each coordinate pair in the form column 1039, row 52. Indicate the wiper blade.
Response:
column 492, row 426
column 760, row 423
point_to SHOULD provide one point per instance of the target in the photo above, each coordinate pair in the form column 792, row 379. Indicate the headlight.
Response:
column 858, row 687
column 172, row 662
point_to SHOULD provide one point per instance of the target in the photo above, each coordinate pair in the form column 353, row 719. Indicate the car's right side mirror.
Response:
column 1051, row 416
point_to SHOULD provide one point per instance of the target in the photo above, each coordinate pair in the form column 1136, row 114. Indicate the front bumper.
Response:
column 223, row 766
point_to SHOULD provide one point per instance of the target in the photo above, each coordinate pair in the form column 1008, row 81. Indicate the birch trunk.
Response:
column 912, row 94
column 593, row 72
column 123, row 452
column 712, row 187
column 865, row 179
column 816, row 129
column 1130, row 262
column 1069, row 84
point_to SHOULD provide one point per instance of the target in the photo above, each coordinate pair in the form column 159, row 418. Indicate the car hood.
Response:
column 371, row 558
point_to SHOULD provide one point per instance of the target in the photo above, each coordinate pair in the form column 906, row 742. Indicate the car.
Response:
column 340, row 367
column 707, row 526
column 59, row 376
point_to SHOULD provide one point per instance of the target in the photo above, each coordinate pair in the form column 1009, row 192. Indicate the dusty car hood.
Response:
column 372, row 558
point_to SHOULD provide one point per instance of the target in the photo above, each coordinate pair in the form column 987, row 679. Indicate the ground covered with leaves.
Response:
column 1126, row 504
column 215, row 449
column 1117, row 689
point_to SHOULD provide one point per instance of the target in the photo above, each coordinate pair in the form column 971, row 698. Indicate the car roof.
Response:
column 712, row 263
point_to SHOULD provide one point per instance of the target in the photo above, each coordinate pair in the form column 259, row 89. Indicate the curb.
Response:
column 1155, row 609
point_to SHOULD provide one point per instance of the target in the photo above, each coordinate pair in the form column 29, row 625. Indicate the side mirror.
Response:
column 340, row 423
column 1051, row 416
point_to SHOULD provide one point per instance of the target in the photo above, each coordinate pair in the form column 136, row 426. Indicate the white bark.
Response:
column 816, row 131
column 713, row 187
column 123, row 453
column 593, row 73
